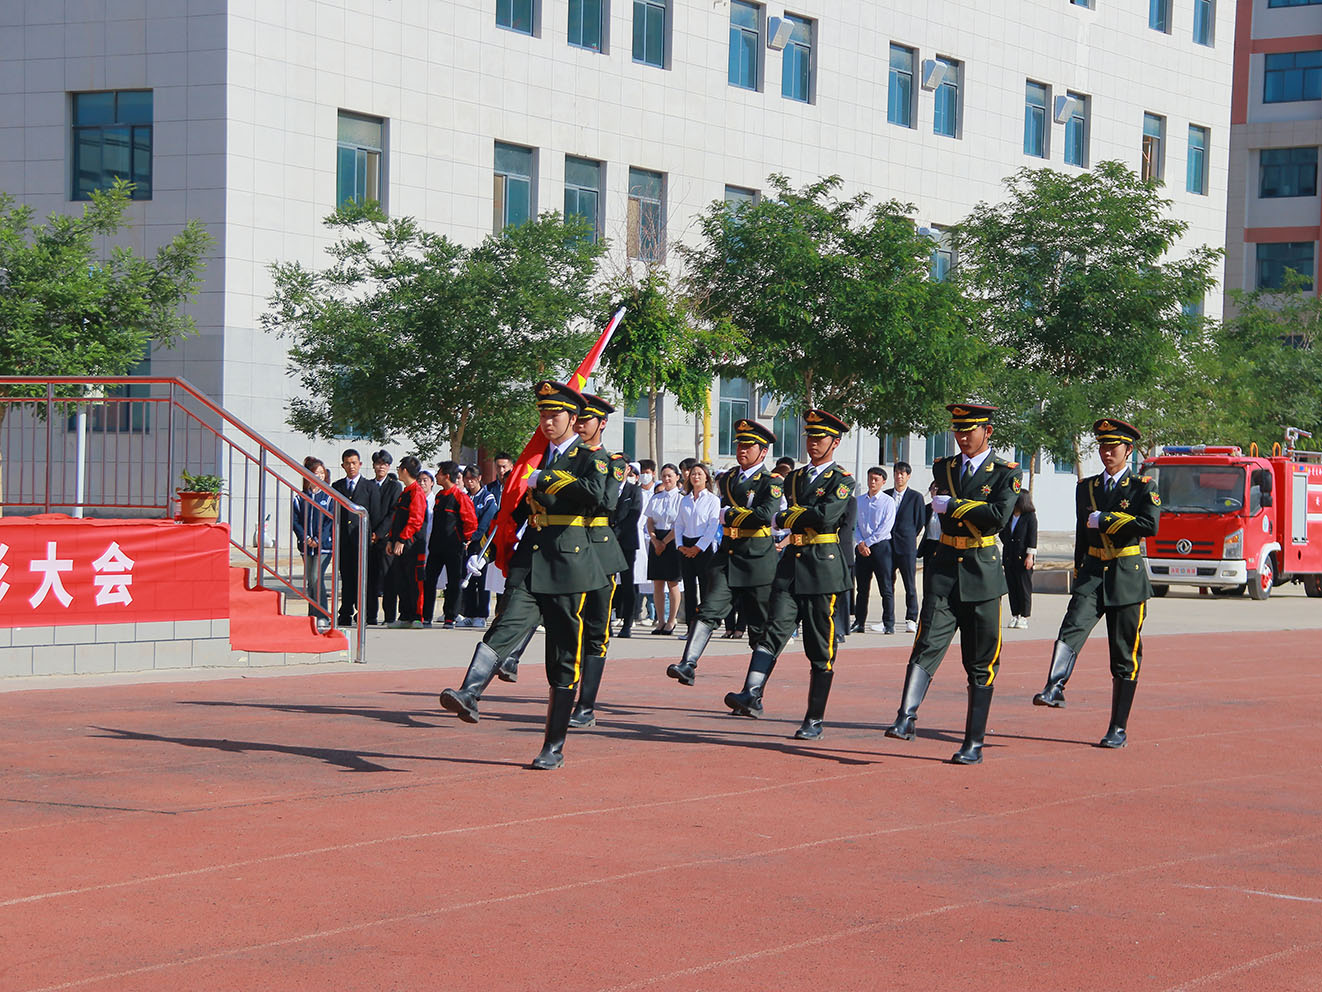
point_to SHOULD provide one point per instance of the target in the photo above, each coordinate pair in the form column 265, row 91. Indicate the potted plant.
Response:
column 199, row 497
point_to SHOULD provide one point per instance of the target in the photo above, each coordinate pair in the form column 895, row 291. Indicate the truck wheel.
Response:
column 1160, row 590
column 1313, row 586
column 1260, row 582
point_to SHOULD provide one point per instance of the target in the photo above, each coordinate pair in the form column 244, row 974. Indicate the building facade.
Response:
column 470, row 114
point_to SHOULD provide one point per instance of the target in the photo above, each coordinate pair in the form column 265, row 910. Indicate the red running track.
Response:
column 337, row 832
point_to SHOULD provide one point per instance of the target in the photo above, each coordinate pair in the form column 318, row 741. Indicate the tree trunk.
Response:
column 652, row 452
column 1078, row 460
column 457, row 438
column 807, row 388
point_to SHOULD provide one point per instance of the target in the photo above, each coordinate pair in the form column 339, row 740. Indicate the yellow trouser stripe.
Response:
column 1138, row 633
column 830, row 640
column 578, row 644
column 610, row 604
column 996, row 658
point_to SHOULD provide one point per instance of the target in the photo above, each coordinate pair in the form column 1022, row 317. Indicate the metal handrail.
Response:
column 269, row 460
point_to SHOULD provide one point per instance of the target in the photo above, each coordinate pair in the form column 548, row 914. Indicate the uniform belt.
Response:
column 564, row 520
column 964, row 543
column 799, row 540
column 1111, row 554
column 747, row 531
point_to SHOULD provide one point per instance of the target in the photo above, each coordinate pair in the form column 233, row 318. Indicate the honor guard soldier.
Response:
column 1114, row 510
column 963, row 581
column 810, row 577
column 553, row 570
column 597, row 613
column 745, row 563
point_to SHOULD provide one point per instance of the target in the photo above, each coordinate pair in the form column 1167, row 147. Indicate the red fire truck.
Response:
column 1231, row 521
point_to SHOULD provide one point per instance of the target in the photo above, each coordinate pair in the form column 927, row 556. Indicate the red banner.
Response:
column 56, row 571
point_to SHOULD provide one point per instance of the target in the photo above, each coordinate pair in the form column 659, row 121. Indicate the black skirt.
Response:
column 663, row 567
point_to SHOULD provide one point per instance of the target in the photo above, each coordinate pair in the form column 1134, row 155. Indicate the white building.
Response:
column 255, row 117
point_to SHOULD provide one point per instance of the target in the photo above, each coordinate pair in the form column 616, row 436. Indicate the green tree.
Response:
column 836, row 301
column 67, row 308
column 409, row 333
column 1071, row 277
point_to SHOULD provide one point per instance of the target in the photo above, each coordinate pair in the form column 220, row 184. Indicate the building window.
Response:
column 1153, row 166
column 112, row 140
column 1062, row 462
column 940, row 445
column 943, row 256
column 788, row 428
column 1159, row 15
column 1292, row 3
column 739, row 197
column 736, row 398
column 1274, row 259
column 583, row 192
column 647, row 219
column 893, row 448
column 1292, row 76
column 945, row 115
column 1081, row 3
column 585, row 24
column 1204, row 20
column 796, row 61
column 515, row 15
column 635, row 426
column 1287, row 172
column 899, row 96
column 1076, row 131
column 360, row 156
column 745, row 44
column 512, row 186
column 1195, row 180
column 649, row 32
column 1036, row 97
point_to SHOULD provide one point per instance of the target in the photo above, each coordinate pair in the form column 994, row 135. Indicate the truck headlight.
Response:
column 1234, row 546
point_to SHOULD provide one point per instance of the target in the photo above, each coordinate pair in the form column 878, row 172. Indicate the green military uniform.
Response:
column 963, row 581
column 744, row 564
column 1110, row 577
column 809, row 579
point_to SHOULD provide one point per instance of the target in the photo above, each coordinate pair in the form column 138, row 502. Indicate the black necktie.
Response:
column 549, row 456
column 1110, row 484
column 968, row 472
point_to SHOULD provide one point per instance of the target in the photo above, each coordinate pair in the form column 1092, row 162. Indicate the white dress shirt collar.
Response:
column 976, row 461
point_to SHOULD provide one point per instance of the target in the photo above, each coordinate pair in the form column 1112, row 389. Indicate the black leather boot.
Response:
column 589, row 683
column 916, row 681
column 819, row 688
column 749, row 702
column 558, row 708
column 1122, row 698
column 509, row 666
column 1062, row 667
column 463, row 701
column 975, row 726
column 686, row 670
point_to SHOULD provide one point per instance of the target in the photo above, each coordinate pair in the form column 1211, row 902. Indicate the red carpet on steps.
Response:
column 256, row 623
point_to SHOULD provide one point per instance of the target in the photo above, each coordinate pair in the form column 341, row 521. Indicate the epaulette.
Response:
column 1003, row 463
column 1145, row 478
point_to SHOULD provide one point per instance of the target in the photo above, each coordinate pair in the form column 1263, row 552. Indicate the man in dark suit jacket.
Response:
column 388, row 490
column 365, row 493
column 628, row 511
column 910, row 522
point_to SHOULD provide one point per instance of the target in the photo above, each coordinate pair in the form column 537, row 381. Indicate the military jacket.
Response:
column 748, row 548
column 814, row 561
column 1111, row 551
column 556, row 548
column 604, row 540
column 965, row 560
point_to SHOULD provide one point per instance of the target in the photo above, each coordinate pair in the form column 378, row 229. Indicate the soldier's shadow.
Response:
column 396, row 717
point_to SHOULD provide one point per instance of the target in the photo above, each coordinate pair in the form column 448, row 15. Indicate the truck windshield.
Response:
column 1200, row 488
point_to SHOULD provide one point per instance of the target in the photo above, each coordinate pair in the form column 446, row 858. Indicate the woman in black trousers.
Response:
column 1019, row 539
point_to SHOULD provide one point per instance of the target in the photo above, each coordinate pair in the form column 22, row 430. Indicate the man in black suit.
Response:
column 363, row 492
column 388, row 490
column 624, row 520
column 910, row 522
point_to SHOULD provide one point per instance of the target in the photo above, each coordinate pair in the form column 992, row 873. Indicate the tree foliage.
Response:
column 68, row 308
column 1072, row 278
column 835, row 298
column 409, row 333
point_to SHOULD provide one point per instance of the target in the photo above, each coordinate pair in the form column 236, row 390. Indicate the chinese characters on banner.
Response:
column 55, row 570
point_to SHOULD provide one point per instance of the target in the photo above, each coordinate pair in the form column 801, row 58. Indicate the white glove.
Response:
column 475, row 565
column 1095, row 519
column 939, row 503
column 532, row 478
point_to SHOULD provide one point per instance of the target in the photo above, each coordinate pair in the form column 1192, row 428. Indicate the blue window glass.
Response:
column 1292, row 76
column 1287, row 172
column 585, row 24
column 649, row 32
column 515, row 15
column 1153, row 163
column 745, row 37
column 1292, row 3
column 513, row 204
column 899, row 96
column 796, row 62
column 1204, row 20
column 1195, row 180
column 583, row 192
column 945, row 115
column 358, row 156
column 1076, row 132
column 1159, row 15
column 1275, row 258
column 736, row 397
column 647, row 219
column 112, row 139
column 1035, row 120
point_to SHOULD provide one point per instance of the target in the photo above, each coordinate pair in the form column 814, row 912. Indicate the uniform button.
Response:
column 536, row 547
column 960, row 558
column 575, row 547
column 830, row 556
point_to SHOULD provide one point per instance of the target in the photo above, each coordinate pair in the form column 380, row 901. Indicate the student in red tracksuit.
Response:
column 454, row 522
column 406, row 544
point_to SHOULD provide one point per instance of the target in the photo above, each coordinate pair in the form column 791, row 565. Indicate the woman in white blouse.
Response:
column 662, row 559
column 699, row 529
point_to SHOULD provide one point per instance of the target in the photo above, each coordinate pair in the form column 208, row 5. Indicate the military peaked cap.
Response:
column 595, row 406
column 966, row 416
column 819, row 423
column 558, row 396
column 1108, row 430
column 751, row 432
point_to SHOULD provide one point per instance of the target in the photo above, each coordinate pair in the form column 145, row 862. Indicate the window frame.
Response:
column 1159, row 16
column 742, row 33
column 500, row 212
column 730, row 409
column 895, row 75
column 1282, row 168
column 1283, row 263
column 1153, row 142
column 511, row 5
column 143, row 182
column 1202, row 154
column 1082, row 115
column 805, row 51
column 662, row 9
column 947, row 86
column 1029, row 112
column 1204, row 23
column 369, row 160
column 1283, row 76
column 637, row 242
column 602, row 19
column 598, row 192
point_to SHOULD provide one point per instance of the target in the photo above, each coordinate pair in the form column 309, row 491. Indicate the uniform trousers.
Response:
column 517, row 615
column 979, row 626
column 597, row 616
column 817, row 615
column 566, row 620
column 721, row 599
column 878, row 565
column 1124, row 626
